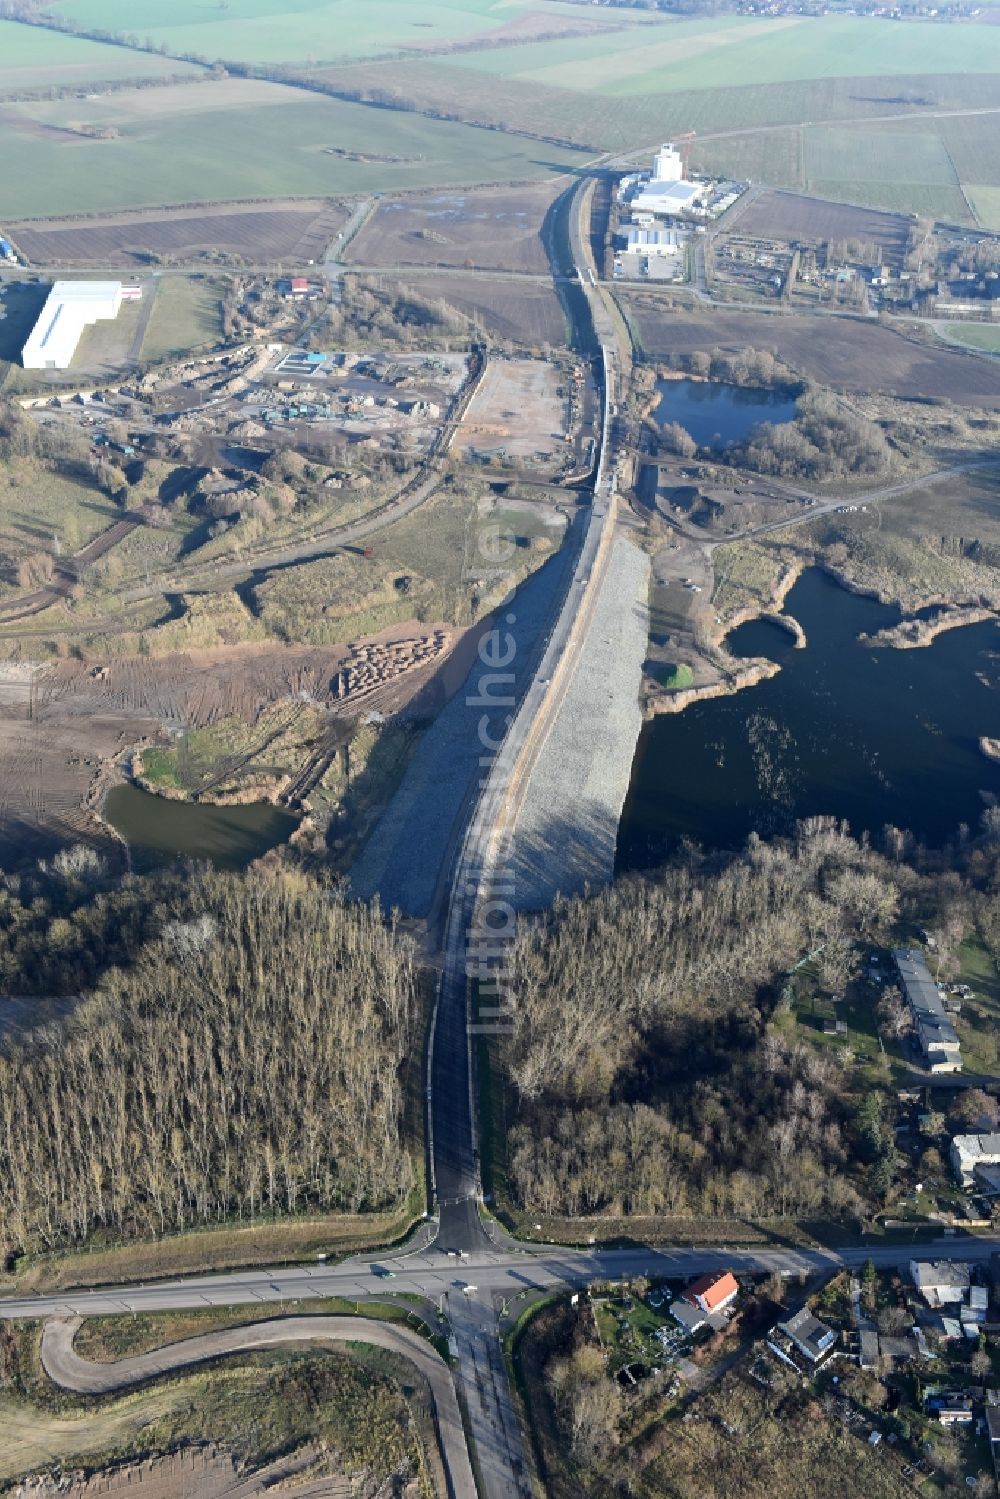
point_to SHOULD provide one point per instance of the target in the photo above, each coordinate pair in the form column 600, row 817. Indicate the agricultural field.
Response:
column 985, row 200
column 527, row 314
column 877, row 166
column 256, row 233
column 493, row 229
column 891, row 169
column 266, row 31
column 31, row 58
column 716, row 52
column 603, row 121
column 793, row 217
column 982, row 336
column 187, row 315
column 239, row 139
column 851, row 355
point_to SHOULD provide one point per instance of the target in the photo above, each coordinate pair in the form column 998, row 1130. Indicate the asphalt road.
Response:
column 501, row 1269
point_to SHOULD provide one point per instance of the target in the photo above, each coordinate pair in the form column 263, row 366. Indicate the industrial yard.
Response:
column 522, row 415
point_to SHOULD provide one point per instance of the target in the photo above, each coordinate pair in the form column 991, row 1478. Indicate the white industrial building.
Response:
column 668, row 165
column 666, row 192
column 71, row 307
column 661, row 199
column 641, row 241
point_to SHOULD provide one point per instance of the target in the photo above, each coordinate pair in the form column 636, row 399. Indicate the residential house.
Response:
column 940, row 1282
column 811, row 1336
column 972, row 1156
column 712, row 1293
column 936, row 1034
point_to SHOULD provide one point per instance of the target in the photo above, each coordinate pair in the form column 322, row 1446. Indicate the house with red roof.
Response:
column 712, row 1293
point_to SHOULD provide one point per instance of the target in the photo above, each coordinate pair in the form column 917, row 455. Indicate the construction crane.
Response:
column 684, row 142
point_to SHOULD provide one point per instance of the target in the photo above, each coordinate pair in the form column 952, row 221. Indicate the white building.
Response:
column 972, row 1156
column 668, row 165
column 640, row 241
column 940, row 1282
column 661, row 199
column 71, row 306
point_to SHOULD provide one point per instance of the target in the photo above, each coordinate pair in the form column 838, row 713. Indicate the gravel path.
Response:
column 566, row 832
column 71, row 1372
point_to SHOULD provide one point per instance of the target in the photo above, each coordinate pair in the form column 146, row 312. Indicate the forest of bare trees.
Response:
column 648, row 1074
column 249, row 1059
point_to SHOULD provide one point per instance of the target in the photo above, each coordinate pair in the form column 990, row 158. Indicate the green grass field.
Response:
column 985, row 199
column 36, row 505
column 31, row 58
column 719, row 52
column 904, row 168
column 232, row 140
column 187, row 315
column 985, row 336
column 303, row 30
column 859, row 155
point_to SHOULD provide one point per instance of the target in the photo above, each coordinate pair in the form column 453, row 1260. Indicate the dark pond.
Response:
column 158, row 830
column 717, row 414
column 875, row 736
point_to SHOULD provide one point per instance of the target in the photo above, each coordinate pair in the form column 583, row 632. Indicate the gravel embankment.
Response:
column 567, row 829
column 403, row 857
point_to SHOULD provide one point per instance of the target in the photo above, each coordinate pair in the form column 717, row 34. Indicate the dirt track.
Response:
column 71, row 1372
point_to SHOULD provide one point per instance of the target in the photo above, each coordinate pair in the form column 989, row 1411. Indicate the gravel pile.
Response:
column 566, row 833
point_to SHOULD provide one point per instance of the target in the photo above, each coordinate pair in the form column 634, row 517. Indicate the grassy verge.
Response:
column 108, row 1339
column 231, row 1248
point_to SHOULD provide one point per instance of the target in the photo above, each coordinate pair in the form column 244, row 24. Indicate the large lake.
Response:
column 716, row 414
column 158, row 831
column 872, row 735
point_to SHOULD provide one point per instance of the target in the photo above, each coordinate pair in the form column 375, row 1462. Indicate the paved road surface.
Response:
column 71, row 1372
column 501, row 1268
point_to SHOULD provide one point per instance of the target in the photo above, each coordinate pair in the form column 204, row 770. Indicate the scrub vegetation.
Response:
column 650, row 1066
column 333, row 1413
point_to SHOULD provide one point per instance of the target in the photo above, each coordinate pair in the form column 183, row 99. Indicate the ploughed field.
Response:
column 256, row 233
column 523, row 312
column 492, row 229
column 794, row 217
column 846, row 353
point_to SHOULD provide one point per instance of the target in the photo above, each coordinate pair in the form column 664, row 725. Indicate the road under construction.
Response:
column 461, row 1260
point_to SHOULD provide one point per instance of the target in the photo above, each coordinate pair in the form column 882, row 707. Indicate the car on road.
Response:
column 383, row 1273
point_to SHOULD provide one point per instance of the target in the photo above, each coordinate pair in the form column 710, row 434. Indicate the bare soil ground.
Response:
column 489, row 229
column 257, row 233
column 204, row 1473
column 62, row 728
column 849, row 354
column 517, row 408
column 526, row 314
column 795, row 217
column 46, row 765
